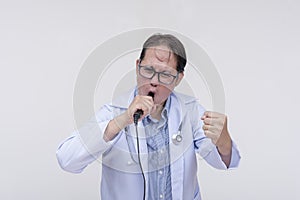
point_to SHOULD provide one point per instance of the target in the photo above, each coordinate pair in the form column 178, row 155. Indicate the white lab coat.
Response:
column 121, row 175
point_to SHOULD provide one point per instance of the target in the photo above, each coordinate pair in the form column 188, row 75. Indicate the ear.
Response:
column 180, row 77
column 137, row 62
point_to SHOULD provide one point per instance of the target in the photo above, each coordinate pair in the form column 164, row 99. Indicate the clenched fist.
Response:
column 215, row 128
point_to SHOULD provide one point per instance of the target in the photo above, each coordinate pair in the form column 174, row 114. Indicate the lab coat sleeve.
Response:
column 206, row 149
column 86, row 144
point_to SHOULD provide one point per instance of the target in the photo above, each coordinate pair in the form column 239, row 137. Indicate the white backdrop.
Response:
column 253, row 44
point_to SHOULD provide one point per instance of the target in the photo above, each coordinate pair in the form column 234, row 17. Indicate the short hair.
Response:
column 170, row 41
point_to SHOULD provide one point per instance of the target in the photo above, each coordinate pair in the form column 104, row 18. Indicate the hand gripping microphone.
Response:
column 140, row 112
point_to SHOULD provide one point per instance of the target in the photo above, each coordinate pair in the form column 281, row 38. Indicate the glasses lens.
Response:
column 149, row 72
column 146, row 71
column 166, row 78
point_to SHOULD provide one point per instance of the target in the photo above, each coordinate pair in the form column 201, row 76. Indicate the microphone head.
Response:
column 151, row 94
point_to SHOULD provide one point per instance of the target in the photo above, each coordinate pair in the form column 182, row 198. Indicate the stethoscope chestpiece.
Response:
column 177, row 138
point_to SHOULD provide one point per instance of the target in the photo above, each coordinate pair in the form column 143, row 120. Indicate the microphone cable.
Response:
column 136, row 117
column 139, row 159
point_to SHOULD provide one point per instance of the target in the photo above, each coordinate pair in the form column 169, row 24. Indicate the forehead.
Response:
column 160, row 55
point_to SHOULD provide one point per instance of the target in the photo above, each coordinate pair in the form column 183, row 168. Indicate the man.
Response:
column 154, row 158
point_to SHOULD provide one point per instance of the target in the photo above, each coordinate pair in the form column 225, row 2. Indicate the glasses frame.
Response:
column 158, row 74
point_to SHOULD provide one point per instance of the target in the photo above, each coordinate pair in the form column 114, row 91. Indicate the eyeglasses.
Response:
column 163, row 77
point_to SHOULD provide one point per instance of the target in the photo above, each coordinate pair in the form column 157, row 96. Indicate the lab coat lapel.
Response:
column 176, row 150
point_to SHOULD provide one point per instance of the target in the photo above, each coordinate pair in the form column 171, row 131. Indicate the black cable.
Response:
column 136, row 117
column 139, row 159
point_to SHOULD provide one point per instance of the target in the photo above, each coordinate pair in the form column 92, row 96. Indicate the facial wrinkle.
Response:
column 162, row 54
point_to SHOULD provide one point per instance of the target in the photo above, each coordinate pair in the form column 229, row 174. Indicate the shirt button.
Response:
column 129, row 162
column 160, row 172
column 161, row 196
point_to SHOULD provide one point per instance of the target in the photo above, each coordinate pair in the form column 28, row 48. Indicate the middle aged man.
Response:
column 161, row 162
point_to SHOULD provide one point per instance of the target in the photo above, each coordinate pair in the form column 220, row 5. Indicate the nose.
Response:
column 154, row 81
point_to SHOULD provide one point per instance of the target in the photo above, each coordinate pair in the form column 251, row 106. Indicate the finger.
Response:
column 147, row 108
column 211, row 128
column 150, row 98
column 148, row 101
column 206, row 114
column 211, row 114
column 143, row 101
column 215, row 122
column 207, row 127
column 140, row 98
column 139, row 106
column 214, row 137
column 150, row 106
column 208, row 133
column 208, row 121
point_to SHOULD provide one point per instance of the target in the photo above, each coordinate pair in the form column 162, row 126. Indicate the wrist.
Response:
column 122, row 120
column 225, row 148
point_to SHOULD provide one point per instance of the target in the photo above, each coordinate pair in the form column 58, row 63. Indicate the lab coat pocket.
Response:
column 122, row 156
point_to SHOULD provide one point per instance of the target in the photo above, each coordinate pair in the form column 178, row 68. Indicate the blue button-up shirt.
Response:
column 159, row 176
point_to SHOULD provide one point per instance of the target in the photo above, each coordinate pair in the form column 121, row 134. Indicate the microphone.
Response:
column 137, row 115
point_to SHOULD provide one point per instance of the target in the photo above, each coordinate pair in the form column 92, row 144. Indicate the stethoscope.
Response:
column 176, row 139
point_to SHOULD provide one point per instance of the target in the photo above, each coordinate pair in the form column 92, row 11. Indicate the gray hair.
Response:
column 170, row 41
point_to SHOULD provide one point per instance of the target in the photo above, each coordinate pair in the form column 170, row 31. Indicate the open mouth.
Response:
column 151, row 94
